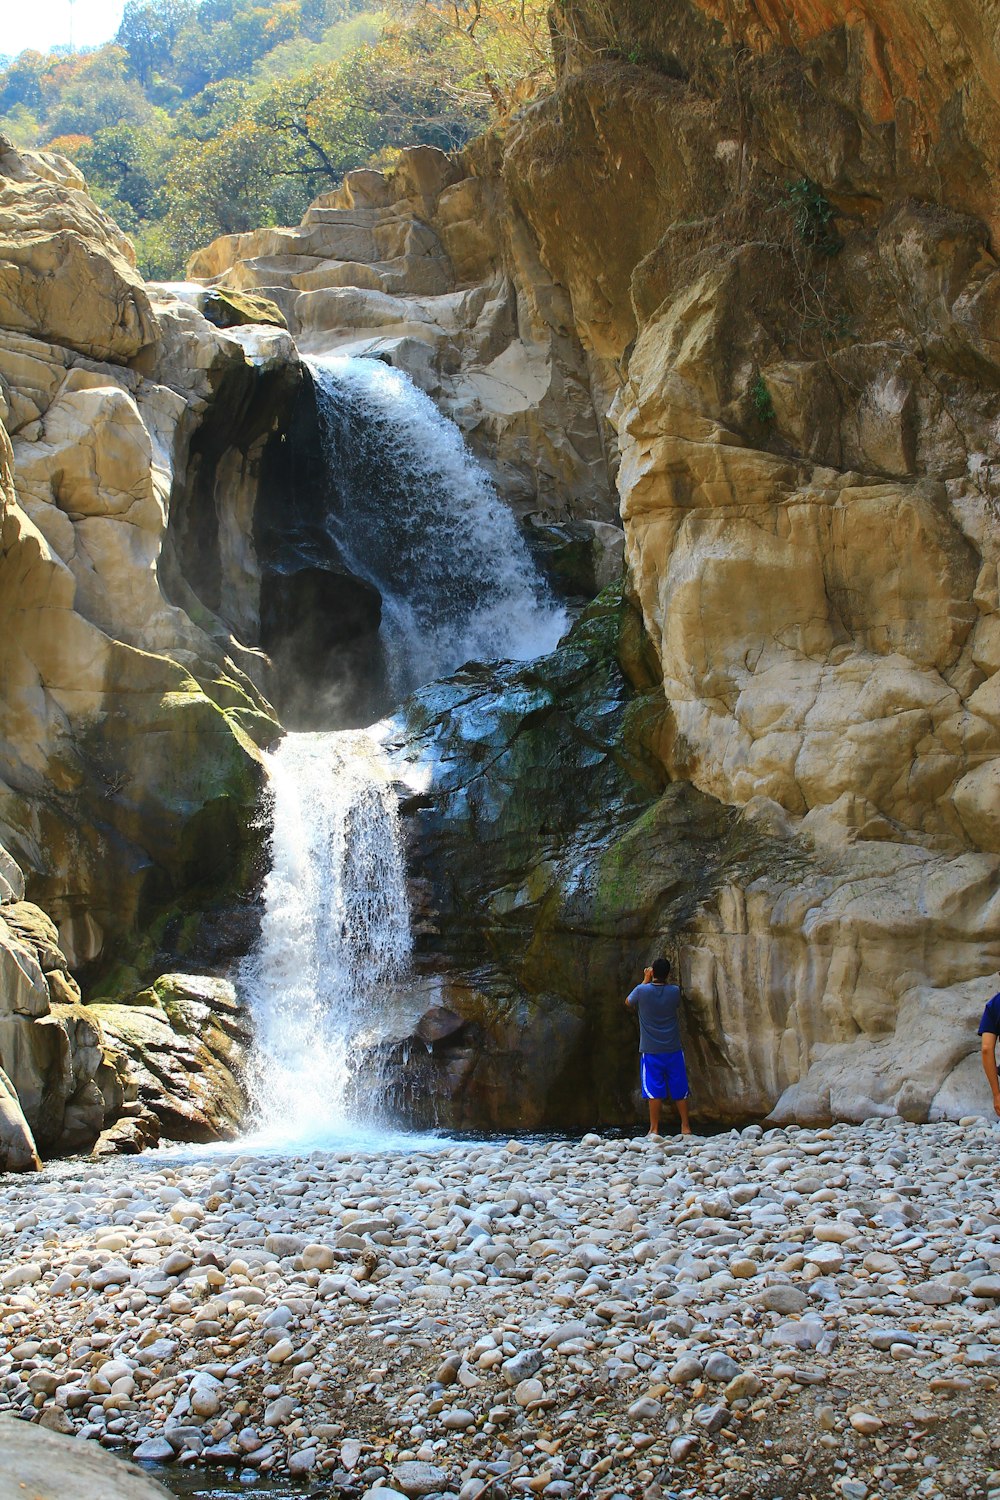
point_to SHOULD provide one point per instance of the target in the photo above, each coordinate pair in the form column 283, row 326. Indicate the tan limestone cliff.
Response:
column 130, row 766
column 796, row 310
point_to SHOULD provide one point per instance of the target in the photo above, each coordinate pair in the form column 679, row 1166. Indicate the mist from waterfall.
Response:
column 418, row 517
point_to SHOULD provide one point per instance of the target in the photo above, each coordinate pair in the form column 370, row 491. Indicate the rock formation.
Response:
column 129, row 761
column 733, row 278
column 46, row 1463
column 769, row 230
column 804, row 419
column 424, row 267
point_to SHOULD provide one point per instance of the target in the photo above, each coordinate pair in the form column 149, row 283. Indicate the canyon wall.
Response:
column 726, row 297
column 774, row 225
column 769, row 229
column 130, row 772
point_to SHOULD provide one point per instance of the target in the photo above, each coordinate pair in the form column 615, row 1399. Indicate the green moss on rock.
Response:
column 559, row 857
column 230, row 309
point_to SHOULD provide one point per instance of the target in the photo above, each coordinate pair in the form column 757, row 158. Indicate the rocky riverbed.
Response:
column 763, row 1314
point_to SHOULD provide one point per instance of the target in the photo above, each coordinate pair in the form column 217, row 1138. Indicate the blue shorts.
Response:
column 663, row 1074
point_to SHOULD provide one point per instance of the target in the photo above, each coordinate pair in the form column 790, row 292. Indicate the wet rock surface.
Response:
column 547, row 854
column 754, row 1314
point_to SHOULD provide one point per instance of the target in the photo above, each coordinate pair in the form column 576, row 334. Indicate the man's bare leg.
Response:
column 682, row 1110
column 655, row 1106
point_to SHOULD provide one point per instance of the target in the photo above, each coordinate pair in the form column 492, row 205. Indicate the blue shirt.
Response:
column 659, row 1027
column 991, row 1017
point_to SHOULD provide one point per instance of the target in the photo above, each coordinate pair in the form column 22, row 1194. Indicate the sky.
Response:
column 42, row 24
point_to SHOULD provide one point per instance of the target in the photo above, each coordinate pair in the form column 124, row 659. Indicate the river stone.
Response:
column 48, row 1466
column 783, row 1299
column 458, row 1419
column 520, row 1366
column 205, row 1395
column 417, row 1478
column 528, row 1391
column 721, row 1368
column 317, row 1258
column 155, row 1450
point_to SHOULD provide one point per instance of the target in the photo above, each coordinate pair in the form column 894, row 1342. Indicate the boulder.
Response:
column 231, row 309
column 48, row 1465
column 183, row 1044
column 17, row 1144
column 67, row 273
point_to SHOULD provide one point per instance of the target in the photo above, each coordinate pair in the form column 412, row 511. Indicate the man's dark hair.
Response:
column 661, row 969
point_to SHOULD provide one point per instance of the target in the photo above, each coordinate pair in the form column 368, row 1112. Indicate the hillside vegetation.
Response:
column 211, row 118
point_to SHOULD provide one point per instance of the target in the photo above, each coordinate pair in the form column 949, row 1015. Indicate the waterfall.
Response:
column 417, row 516
column 335, row 937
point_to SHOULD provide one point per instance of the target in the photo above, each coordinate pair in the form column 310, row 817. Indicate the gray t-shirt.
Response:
column 659, row 1027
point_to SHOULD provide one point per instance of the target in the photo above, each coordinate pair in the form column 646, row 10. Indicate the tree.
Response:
column 506, row 44
column 306, row 114
column 121, row 165
column 94, row 92
column 21, row 83
column 220, row 186
column 148, row 32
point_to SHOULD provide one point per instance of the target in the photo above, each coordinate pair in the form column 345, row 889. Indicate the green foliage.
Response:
column 813, row 216
column 760, row 400
column 208, row 117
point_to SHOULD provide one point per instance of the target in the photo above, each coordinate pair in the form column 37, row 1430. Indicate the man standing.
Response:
column 989, row 1030
column 662, row 1069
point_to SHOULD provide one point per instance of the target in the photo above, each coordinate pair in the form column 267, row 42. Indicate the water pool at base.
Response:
column 199, row 1484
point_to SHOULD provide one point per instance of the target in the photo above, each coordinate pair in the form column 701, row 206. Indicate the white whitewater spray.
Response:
column 417, row 516
column 335, row 937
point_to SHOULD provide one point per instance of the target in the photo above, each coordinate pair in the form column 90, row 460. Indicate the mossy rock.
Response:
column 228, row 309
column 558, row 855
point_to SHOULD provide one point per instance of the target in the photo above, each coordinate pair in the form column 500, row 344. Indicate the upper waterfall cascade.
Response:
column 418, row 518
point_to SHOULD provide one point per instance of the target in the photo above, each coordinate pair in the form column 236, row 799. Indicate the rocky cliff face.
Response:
column 129, row 761
column 731, row 286
column 766, row 223
column 773, row 227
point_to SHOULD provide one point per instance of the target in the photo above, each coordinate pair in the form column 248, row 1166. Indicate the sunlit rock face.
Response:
column 792, row 287
column 775, row 256
column 730, row 287
column 128, row 750
column 68, row 272
column 129, row 763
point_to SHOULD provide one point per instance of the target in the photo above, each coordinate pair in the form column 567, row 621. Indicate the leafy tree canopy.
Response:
column 208, row 117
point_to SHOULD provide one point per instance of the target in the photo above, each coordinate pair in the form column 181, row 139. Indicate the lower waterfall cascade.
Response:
column 335, row 934
column 420, row 520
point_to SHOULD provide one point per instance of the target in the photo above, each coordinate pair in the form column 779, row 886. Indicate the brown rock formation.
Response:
column 67, row 273
column 57, row 1082
column 129, row 762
